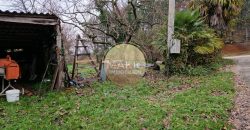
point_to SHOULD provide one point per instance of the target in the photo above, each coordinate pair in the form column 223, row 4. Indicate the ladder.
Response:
column 77, row 55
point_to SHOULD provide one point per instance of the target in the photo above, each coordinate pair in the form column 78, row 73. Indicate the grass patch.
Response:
column 85, row 70
column 204, row 70
column 204, row 105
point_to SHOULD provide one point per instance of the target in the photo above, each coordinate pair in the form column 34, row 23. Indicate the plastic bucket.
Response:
column 12, row 95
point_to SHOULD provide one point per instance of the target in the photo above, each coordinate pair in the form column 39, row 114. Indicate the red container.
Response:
column 12, row 70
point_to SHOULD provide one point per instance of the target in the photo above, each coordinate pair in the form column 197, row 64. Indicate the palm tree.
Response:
column 199, row 43
column 218, row 13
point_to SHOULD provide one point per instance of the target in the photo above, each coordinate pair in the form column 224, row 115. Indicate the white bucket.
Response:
column 12, row 95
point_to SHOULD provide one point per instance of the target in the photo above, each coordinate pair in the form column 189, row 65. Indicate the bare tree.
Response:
column 106, row 22
column 68, row 40
column 24, row 5
column 47, row 6
column 115, row 20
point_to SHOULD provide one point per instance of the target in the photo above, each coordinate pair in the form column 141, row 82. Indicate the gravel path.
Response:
column 240, row 117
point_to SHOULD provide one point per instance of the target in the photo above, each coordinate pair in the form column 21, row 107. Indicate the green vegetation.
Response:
column 198, row 96
column 203, row 70
column 219, row 14
column 205, row 107
column 85, row 70
column 182, row 103
column 194, row 33
column 200, row 45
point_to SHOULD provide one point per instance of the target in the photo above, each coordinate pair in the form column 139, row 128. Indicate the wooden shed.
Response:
column 34, row 41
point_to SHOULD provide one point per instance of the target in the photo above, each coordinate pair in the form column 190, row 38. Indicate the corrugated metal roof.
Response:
column 29, row 18
column 28, row 14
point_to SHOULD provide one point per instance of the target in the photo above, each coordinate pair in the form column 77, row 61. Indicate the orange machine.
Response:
column 12, row 70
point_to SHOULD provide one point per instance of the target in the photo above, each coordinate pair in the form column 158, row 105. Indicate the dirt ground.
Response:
column 236, row 49
column 240, row 115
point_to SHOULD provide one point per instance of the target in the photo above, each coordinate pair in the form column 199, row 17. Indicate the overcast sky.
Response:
column 64, row 4
column 5, row 5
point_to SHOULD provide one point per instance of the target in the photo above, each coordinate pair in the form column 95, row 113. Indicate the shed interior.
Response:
column 32, row 46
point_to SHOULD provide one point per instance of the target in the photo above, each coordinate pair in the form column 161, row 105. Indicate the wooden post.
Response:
column 57, row 76
column 75, row 57
column 171, row 18
column 103, row 73
column 60, row 82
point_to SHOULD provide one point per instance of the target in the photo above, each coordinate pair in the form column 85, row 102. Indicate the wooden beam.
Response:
column 58, row 37
column 38, row 21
